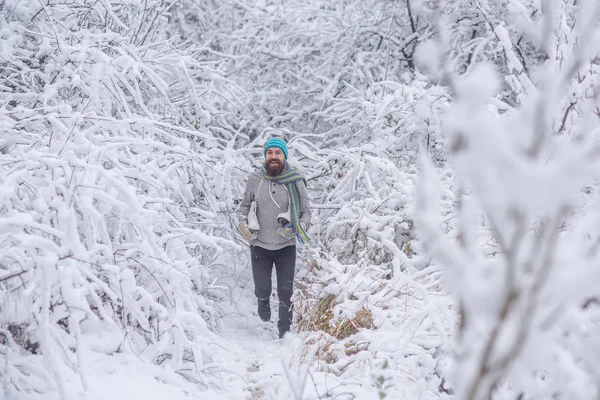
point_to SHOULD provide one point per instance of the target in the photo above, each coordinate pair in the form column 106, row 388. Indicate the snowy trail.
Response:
column 253, row 354
column 248, row 362
column 250, row 359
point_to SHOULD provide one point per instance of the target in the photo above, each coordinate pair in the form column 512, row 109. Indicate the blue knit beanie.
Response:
column 276, row 142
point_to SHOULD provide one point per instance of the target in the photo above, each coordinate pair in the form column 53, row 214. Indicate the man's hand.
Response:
column 286, row 232
column 246, row 233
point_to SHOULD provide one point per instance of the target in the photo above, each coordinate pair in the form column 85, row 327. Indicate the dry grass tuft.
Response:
column 320, row 317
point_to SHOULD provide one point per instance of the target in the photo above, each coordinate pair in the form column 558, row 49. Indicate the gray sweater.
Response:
column 271, row 200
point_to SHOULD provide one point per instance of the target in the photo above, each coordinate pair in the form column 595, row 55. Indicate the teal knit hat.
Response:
column 276, row 142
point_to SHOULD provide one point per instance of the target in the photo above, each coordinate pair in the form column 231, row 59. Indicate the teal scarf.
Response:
column 289, row 178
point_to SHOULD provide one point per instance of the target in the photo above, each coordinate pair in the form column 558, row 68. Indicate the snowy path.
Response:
column 248, row 362
column 255, row 357
column 250, row 357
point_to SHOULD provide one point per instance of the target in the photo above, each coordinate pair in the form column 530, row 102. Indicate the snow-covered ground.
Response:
column 249, row 362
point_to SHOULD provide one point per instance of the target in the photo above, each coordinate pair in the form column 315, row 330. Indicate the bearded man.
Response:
column 274, row 215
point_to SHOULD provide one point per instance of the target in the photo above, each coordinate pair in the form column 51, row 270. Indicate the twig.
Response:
column 5, row 278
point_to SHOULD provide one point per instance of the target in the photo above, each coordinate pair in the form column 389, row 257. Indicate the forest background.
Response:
column 451, row 155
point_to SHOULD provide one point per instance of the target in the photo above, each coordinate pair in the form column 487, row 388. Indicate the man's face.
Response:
column 274, row 161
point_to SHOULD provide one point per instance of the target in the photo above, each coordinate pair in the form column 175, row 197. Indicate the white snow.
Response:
column 451, row 153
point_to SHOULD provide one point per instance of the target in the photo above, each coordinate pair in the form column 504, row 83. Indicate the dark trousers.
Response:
column 285, row 266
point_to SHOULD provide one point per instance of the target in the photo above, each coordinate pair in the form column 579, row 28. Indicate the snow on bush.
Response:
column 109, row 221
column 519, row 255
column 365, row 299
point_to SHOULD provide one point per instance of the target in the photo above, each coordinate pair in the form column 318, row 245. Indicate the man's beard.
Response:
column 274, row 169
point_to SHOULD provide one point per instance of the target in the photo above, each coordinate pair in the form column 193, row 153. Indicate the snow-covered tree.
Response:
column 519, row 252
column 111, row 216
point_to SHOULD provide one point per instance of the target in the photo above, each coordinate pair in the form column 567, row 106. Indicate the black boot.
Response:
column 285, row 319
column 264, row 309
column 283, row 330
